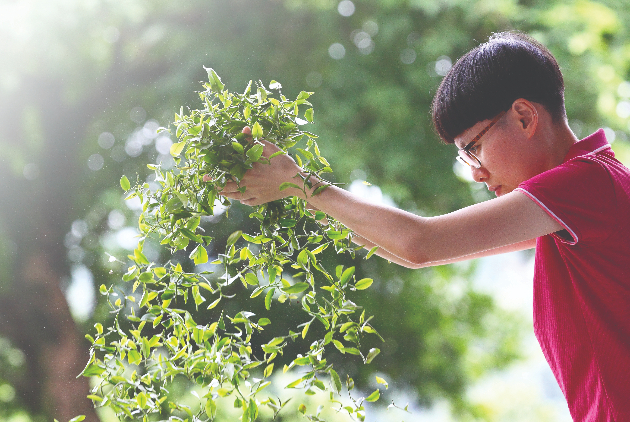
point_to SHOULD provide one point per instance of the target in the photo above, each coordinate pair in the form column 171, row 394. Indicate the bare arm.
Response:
column 486, row 228
column 528, row 244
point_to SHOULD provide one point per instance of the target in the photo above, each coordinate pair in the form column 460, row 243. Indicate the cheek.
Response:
column 504, row 160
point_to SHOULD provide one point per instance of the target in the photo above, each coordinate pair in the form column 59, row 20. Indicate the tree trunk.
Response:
column 36, row 318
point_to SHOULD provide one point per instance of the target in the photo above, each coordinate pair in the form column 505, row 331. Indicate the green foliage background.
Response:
column 73, row 70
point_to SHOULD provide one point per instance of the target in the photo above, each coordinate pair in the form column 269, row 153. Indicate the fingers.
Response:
column 230, row 188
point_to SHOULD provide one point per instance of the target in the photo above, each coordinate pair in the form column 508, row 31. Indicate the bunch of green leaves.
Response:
column 157, row 334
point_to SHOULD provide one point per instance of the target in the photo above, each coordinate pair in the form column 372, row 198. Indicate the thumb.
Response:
column 247, row 131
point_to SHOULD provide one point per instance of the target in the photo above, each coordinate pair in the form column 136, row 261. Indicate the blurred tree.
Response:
column 84, row 84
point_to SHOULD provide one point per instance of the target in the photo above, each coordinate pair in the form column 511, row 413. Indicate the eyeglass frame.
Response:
column 464, row 154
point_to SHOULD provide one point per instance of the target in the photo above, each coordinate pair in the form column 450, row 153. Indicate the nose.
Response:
column 480, row 174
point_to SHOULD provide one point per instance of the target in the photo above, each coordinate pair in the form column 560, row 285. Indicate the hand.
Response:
column 262, row 182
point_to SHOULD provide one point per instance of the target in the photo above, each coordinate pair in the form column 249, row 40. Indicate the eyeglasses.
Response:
column 465, row 156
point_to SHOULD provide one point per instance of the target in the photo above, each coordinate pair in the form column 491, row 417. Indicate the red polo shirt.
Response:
column 582, row 279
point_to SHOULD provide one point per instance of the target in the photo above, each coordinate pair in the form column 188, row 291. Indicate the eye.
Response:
column 474, row 149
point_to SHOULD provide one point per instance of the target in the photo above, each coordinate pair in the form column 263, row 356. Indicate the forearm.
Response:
column 382, row 252
column 511, row 222
column 520, row 246
column 394, row 231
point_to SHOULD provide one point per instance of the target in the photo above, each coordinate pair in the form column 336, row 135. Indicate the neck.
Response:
column 557, row 138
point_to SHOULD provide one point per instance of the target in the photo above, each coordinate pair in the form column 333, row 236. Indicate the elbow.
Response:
column 417, row 257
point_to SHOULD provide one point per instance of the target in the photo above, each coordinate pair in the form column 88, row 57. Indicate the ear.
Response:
column 527, row 115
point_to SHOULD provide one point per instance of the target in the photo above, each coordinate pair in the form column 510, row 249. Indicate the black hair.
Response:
column 489, row 78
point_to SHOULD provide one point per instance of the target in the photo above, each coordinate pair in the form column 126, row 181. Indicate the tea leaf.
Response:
column 124, row 183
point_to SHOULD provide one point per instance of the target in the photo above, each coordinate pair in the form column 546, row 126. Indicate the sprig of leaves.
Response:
column 159, row 337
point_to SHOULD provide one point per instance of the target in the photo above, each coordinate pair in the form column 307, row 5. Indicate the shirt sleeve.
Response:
column 580, row 195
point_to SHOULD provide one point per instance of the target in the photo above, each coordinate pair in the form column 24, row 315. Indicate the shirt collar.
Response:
column 591, row 144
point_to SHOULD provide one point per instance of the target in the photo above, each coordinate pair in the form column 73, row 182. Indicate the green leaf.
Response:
column 257, row 131
column 257, row 291
column 336, row 380
column 309, row 115
column 374, row 396
column 319, row 249
column 372, row 354
column 287, row 185
column 237, row 147
column 294, row 383
column 251, row 278
column 142, row 400
column 199, row 255
column 349, row 383
column 215, row 82
column 302, row 258
column 372, row 252
column 343, row 280
column 268, row 371
column 264, row 321
column 255, row 152
column 268, row 298
column 211, row 408
column 124, row 183
column 92, row 370
column 134, row 357
column 296, row 288
column 305, row 330
column 363, row 284
column 382, row 381
column 234, row 237
column 214, row 304
column 277, row 153
column 77, row 418
column 139, row 257
column 177, row 148
column 303, row 95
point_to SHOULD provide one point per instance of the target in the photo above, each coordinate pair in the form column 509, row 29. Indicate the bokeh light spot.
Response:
column 624, row 89
column 408, row 56
column 370, row 27
column 346, row 8
column 314, row 79
column 610, row 135
column 80, row 293
column 95, row 162
column 149, row 130
column 127, row 238
column 106, row 140
column 623, row 109
column 443, row 65
column 7, row 393
column 115, row 219
column 163, row 145
column 337, row 51
column 133, row 146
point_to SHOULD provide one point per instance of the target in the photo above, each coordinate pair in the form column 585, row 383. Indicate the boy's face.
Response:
column 505, row 153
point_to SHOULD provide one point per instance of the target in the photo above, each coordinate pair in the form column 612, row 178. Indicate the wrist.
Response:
column 310, row 184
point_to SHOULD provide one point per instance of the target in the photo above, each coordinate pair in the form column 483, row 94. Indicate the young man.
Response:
column 502, row 105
